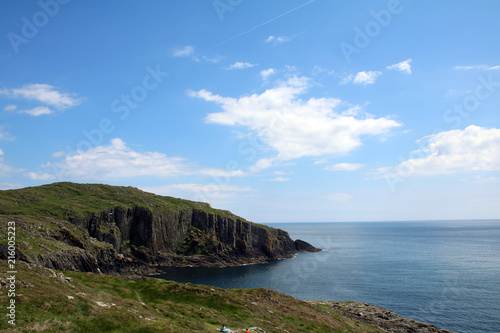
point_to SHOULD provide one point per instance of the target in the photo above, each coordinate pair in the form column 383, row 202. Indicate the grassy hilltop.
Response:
column 65, row 199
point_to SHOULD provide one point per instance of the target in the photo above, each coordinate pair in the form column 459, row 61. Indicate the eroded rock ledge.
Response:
column 384, row 319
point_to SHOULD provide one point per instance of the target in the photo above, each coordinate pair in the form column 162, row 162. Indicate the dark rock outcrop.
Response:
column 382, row 318
column 303, row 246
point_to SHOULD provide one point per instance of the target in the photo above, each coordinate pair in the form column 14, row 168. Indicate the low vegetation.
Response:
column 65, row 199
column 52, row 301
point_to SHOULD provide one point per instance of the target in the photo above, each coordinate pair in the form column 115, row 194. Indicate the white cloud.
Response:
column 344, row 167
column 403, row 66
column 477, row 67
column 44, row 93
column 266, row 73
column 278, row 40
column 10, row 107
column 184, row 51
column 240, row 65
column 294, row 127
column 366, row 77
column 280, row 179
column 472, row 149
column 117, row 160
column 37, row 111
column 198, row 192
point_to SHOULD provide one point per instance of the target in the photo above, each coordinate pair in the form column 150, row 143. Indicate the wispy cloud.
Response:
column 364, row 78
column 6, row 170
column 320, row 70
column 280, row 179
column 278, row 40
column 266, row 73
column 10, row 107
column 368, row 77
column 183, row 51
column 295, row 127
column 344, row 167
column 213, row 60
column 41, row 93
column 403, row 66
column 477, row 67
column 5, row 136
column 117, row 160
column 240, row 65
column 37, row 111
column 198, row 191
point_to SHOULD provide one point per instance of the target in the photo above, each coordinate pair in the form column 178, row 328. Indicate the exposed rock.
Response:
column 184, row 238
column 303, row 246
column 382, row 318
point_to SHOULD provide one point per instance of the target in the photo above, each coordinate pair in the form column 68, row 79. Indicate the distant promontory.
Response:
column 113, row 229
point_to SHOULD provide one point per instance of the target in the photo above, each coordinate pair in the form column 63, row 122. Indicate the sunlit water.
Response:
column 444, row 273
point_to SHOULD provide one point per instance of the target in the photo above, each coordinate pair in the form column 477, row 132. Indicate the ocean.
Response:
column 442, row 272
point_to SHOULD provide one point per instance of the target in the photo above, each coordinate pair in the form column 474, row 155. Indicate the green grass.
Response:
column 40, row 236
column 142, row 304
column 65, row 199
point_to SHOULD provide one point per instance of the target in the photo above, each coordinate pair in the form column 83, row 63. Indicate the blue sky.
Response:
column 280, row 111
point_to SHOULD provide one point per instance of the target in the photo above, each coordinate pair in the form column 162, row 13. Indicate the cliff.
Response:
column 95, row 227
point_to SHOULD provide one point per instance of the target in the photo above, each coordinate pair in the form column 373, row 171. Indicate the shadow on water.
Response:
column 249, row 276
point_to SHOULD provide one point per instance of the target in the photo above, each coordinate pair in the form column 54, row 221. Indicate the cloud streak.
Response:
column 240, row 65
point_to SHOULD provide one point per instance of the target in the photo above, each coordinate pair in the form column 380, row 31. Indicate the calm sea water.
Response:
column 444, row 273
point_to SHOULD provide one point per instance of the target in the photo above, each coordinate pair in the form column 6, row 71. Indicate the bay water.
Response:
column 442, row 272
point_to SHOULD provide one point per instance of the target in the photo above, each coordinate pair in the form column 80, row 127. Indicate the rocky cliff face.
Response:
column 147, row 234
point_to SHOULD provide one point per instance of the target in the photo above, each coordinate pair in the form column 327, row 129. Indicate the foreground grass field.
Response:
column 52, row 301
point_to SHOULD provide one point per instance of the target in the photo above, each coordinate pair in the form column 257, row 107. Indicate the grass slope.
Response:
column 38, row 235
column 65, row 199
column 48, row 301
